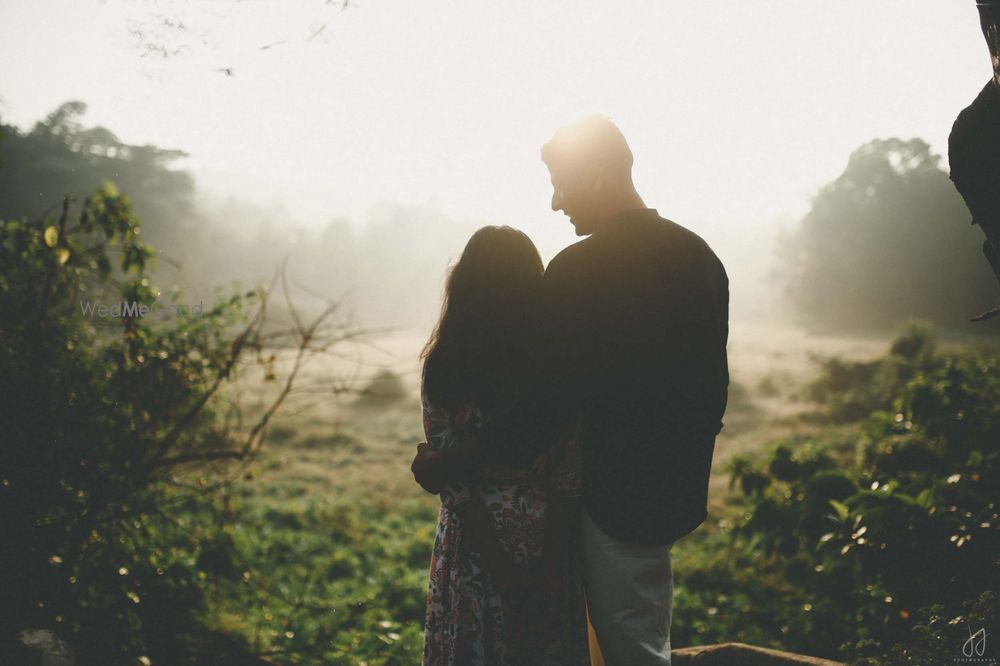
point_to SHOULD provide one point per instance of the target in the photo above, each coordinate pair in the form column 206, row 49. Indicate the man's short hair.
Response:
column 591, row 140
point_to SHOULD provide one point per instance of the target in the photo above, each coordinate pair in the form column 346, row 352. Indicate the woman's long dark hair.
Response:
column 478, row 352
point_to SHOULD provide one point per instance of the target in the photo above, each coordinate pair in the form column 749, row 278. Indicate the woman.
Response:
column 505, row 586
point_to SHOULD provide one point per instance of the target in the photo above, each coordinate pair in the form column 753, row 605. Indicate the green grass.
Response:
column 330, row 539
column 327, row 544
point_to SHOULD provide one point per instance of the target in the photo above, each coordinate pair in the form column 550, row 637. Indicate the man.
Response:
column 633, row 327
column 636, row 316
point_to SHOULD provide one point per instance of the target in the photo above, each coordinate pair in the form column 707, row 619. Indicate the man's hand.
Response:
column 530, row 601
column 429, row 469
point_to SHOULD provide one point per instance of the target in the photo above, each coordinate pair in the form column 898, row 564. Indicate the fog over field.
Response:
column 228, row 481
column 411, row 124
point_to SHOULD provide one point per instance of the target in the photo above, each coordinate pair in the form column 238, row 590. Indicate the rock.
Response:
column 44, row 648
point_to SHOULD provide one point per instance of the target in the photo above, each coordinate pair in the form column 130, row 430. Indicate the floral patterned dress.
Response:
column 464, row 622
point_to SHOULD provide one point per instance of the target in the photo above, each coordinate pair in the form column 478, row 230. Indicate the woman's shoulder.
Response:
column 460, row 418
column 464, row 411
column 443, row 428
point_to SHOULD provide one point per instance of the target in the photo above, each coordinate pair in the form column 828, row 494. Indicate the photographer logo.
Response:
column 974, row 649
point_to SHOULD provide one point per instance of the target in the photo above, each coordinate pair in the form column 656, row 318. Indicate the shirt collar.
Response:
column 612, row 220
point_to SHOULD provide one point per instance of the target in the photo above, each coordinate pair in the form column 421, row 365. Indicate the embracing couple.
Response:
column 570, row 416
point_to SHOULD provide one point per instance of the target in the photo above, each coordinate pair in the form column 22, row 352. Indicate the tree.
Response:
column 869, row 252
column 59, row 155
column 208, row 32
column 114, row 411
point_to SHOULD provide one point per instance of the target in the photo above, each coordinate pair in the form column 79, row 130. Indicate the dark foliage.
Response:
column 99, row 415
column 892, row 537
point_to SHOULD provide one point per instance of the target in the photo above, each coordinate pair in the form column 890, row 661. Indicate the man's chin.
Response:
column 580, row 227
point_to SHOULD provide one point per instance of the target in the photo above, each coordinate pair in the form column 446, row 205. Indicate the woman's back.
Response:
column 494, row 521
column 463, row 599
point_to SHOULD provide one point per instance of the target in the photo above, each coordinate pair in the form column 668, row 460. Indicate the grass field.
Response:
column 330, row 537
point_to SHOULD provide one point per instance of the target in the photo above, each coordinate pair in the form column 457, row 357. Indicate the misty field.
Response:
column 186, row 188
column 327, row 555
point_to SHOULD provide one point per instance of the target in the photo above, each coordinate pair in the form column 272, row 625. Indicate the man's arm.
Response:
column 558, row 363
column 562, row 516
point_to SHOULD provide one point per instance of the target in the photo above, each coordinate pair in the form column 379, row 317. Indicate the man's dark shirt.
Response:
column 633, row 330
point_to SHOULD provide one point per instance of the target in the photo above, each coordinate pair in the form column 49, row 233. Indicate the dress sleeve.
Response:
column 566, row 478
column 442, row 432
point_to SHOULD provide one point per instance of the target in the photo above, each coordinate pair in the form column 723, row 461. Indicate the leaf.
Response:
column 103, row 265
column 840, row 508
column 62, row 255
column 926, row 498
column 51, row 236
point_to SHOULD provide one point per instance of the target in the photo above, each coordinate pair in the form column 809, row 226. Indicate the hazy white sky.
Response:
column 736, row 111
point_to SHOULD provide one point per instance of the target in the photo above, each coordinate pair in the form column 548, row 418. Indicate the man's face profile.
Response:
column 570, row 195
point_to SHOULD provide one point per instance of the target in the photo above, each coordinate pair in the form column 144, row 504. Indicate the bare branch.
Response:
column 310, row 340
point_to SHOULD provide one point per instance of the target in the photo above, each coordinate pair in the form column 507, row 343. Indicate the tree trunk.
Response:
column 974, row 148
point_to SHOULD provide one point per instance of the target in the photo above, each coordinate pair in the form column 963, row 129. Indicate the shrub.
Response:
column 910, row 532
column 102, row 416
column 385, row 388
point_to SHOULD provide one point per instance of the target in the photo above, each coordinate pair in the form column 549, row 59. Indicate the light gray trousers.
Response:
column 630, row 597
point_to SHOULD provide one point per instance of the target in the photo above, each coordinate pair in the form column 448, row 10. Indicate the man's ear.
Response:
column 595, row 177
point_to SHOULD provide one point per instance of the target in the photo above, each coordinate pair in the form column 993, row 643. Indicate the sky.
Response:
column 736, row 111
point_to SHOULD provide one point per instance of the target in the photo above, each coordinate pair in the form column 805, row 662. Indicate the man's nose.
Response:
column 556, row 201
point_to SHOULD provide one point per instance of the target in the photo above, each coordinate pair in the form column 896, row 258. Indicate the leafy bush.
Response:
column 329, row 583
column 893, row 542
column 850, row 390
column 384, row 389
column 99, row 416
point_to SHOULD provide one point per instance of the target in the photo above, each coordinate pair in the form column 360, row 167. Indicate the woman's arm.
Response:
column 449, row 468
column 434, row 469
